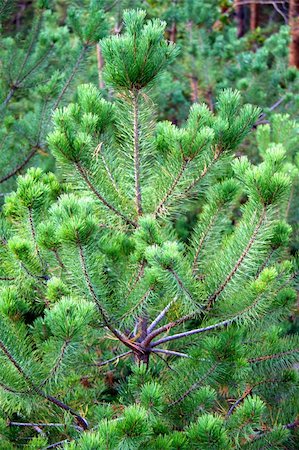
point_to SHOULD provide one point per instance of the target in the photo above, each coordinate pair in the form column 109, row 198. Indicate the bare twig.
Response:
column 160, row 316
column 122, row 355
column 170, row 353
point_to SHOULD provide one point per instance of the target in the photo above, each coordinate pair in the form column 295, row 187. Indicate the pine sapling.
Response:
column 109, row 321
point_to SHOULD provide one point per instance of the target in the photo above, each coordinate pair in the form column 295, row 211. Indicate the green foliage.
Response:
column 135, row 58
column 117, row 334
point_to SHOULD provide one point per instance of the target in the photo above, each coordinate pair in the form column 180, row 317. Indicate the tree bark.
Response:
column 294, row 30
column 173, row 32
column 240, row 16
column 194, row 88
column 254, row 12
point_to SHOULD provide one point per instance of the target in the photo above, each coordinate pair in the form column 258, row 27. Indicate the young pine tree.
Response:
column 114, row 333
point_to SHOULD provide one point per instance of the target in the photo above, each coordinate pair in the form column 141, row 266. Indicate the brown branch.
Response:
column 180, row 283
column 59, row 260
column 122, row 338
column 201, row 242
column 38, row 391
column 137, row 278
column 33, row 233
column 20, row 166
column 273, row 356
column 172, row 188
column 73, row 73
column 138, row 199
column 58, row 362
column 194, row 386
column 100, row 197
column 236, row 267
column 143, row 299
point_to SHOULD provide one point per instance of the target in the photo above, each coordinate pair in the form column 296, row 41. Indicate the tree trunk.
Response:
column 294, row 30
column 254, row 11
column 240, row 16
column 194, row 88
column 172, row 33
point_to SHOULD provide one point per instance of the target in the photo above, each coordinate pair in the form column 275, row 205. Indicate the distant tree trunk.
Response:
column 254, row 11
column 294, row 25
column 194, row 88
column 240, row 15
column 172, row 33
column 100, row 66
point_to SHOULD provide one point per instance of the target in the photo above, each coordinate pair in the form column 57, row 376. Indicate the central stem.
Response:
column 136, row 153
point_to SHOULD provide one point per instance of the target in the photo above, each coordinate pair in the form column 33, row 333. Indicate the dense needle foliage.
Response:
column 116, row 333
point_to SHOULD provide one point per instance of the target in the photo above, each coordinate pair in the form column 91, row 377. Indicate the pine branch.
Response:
column 160, row 316
column 35, row 66
column 236, row 267
column 265, row 263
column 33, row 233
column 180, row 283
column 138, row 199
column 34, row 150
column 110, row 176
column 15, row 85
column 290, row 201
column 100, row 197
column 201, row 176
column 201, row 242
column 140, row 302
column 170, row 352
column 137, row 279
column 38, row 391
column 11, row 390
column 166, row 328
column 103, row 313
column 32, row 42
column 59, row 260
column 194, row 386
column 191, row 332
column 273, row 356
column 170, row 191
column 20, row 166
column 56, row 444
column 115, row 358
column 9, row 95
column 71, row 77
column 248, row 392
column 30, row 424
column 58, row 363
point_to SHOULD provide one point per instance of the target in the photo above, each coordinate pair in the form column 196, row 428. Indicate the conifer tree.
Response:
column 115, row 334
column 39, row 64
